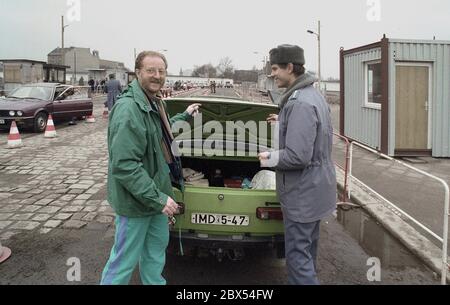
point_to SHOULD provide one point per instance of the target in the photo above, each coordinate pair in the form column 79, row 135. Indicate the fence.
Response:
column 348, row 184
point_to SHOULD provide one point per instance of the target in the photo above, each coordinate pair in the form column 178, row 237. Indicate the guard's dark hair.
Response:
column 298, row 69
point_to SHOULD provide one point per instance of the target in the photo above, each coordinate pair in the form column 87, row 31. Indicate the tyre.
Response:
column 40, row 122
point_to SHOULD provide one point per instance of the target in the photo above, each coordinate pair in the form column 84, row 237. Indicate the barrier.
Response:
column 346, row 168
column 444, row 239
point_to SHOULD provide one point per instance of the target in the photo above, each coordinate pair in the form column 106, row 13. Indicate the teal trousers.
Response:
column 138, row 240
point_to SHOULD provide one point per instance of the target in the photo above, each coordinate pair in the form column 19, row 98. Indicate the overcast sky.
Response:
column 195, row 32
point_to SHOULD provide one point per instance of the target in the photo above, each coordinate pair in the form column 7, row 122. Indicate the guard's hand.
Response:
column 193, row 109
column 272, row 118
column 264, row 156
column 264, row 159
column 171, row 207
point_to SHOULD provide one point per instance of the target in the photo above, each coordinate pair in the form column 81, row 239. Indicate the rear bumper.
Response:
column 225, row 241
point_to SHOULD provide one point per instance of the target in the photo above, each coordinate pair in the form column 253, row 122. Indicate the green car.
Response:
column 222, row 212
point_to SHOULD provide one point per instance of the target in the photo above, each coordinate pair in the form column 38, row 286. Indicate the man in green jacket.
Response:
column 139, row 175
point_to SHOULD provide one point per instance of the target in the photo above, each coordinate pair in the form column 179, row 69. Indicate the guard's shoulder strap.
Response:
column 295, row 94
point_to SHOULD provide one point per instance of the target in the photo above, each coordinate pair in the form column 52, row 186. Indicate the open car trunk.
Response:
column 220, row 211
column 219, row 173
column 219, row 205
column 223, row 194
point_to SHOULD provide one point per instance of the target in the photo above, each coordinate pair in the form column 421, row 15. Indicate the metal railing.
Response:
column 346, row 168
column 444, row 239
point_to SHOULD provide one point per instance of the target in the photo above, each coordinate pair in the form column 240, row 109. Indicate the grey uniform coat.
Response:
column 114, row 89
column 306, row 177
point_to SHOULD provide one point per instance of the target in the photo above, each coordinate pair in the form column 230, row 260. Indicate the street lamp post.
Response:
column 264, row 60
column 318, row 40
column 263, row 67
column 62, row 31
column 74, row 67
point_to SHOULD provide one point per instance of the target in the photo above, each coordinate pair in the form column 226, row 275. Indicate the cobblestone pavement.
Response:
column 57, row 183
column 51, row 183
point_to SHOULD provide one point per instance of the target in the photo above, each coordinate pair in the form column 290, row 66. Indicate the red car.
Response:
column 30, row 105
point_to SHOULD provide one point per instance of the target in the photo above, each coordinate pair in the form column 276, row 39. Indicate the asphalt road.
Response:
column 43, row 259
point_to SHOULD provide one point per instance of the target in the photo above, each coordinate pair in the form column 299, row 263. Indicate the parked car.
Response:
column 177, row 86
column 30, row 105
column 218, row 214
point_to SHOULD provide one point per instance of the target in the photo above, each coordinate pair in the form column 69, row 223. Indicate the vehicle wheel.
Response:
column 40, row 122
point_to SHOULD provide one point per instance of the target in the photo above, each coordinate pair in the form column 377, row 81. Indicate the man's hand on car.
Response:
column 193, row 109
column 171, row 207
column 264, row 156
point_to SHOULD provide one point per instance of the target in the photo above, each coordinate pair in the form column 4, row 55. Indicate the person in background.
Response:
column 91, row 84
column 113, row 89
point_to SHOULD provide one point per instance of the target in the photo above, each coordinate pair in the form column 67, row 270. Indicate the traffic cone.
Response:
column 5, row 253
column 50, row 131
column 14, row 140
column 105, row 113
column 90, row 119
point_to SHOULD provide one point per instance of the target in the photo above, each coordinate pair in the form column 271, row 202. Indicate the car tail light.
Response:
column 180, row 209
column 269, row 213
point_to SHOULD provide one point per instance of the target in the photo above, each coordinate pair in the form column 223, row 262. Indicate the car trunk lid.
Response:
column 240, row 117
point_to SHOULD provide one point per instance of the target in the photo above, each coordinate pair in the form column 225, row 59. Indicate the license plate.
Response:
column 2, row 122
column 220, row 219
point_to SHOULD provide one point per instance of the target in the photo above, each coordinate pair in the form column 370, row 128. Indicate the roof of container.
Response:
column 417, row 41
column 22, row 60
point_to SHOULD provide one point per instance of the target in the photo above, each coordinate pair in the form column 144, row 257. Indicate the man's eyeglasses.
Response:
column 153, row 71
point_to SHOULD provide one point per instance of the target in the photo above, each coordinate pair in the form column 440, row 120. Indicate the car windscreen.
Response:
column 73, row 93
column 32, row 92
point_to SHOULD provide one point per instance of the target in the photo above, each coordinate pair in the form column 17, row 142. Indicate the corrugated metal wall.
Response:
column 32, row 73
column 361, row 123
column 439, row 54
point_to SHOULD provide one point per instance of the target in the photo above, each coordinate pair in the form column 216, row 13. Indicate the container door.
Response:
column 413, row 102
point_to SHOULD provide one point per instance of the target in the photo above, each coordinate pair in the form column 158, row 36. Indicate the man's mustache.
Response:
column 156, row 81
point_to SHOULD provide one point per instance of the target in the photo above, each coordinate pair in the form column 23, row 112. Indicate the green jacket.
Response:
column 138, row 175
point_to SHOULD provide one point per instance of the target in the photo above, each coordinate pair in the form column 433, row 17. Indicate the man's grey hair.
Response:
column 144, row 54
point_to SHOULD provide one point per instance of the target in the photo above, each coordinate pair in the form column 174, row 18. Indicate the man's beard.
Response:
column 160, row 84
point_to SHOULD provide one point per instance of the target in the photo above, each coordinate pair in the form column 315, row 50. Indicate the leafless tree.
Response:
column 225, row 68
column 207, row 70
